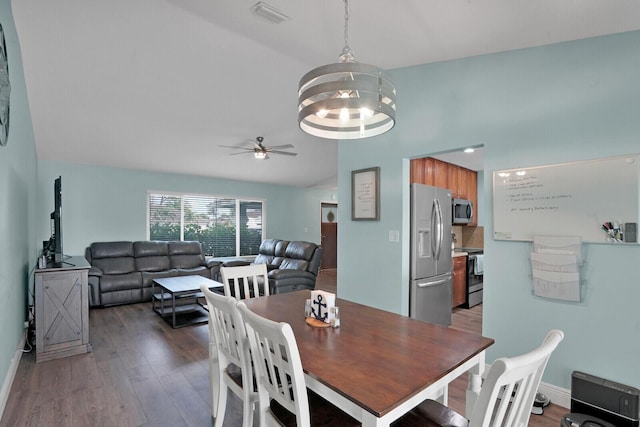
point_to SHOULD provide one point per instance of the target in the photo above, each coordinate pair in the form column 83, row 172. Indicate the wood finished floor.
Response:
column 143, row 373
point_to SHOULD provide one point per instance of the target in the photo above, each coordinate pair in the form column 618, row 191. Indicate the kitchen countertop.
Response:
column 459, row 253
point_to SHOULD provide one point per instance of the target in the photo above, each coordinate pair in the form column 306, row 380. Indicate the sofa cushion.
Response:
column 117, row 282
column 111, row 249
column 186, row 254
column 300, row 250
column 150, row 248
column 113, row 257
column 280, row 249
column 152, row 256
column 294, row 264
column 271, row 252
column 120, row 265
column 297, row 255
column 125, row 296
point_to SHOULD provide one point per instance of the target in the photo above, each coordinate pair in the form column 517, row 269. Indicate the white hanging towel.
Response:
column 478, row 266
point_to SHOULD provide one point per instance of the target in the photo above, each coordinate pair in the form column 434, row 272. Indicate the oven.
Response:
column 474, row 279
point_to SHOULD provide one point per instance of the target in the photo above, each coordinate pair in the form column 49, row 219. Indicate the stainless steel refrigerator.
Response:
column 431, row 261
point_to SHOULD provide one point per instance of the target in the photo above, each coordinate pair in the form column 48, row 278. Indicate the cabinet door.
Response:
column 472, row 194
column 459, row 281
column 417, row 171
column 440, row 174
column 453, row 172
column 60, row 303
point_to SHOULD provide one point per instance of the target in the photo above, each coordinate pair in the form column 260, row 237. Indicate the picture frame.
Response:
column 365, row 194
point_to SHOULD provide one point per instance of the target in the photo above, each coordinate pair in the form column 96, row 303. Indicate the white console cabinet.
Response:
column 62, row 309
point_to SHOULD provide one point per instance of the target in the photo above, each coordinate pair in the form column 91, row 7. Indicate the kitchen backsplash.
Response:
column 468, row 236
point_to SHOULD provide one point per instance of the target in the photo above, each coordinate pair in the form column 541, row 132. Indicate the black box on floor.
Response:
column 610, row 401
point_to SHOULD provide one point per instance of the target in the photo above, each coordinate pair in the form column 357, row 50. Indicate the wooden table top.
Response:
column 376, row 358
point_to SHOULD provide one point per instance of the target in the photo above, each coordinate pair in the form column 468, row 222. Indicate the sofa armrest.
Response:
column 214, row 268
column 94, row 290
column 95, row 271
column 210, row 263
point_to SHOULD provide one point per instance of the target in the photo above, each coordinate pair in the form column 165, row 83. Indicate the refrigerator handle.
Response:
column 434, row 282
column 438, row 236
column 434, row 229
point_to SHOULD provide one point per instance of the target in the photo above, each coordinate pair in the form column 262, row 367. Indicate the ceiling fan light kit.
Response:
column 346, row 100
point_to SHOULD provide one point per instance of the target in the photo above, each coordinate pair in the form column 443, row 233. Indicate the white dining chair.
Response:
column 283, row 395
column 245, row 281
column 232, row 368
column 506, row 396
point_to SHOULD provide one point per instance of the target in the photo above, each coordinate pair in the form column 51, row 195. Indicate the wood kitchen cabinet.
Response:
column 462, row 182
column 471, row 192
column 459, row 281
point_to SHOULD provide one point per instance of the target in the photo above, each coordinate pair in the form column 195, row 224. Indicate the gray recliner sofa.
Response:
column 122, row 272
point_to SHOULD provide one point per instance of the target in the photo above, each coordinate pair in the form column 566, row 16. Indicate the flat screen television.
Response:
column 55, row 246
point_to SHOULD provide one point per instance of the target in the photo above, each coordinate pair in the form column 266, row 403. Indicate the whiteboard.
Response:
column 569, row 199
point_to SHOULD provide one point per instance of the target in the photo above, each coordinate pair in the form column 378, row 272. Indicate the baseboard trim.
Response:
column 558, row 396
column 11, row 373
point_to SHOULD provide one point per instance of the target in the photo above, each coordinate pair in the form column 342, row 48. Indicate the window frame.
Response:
column 238, row 201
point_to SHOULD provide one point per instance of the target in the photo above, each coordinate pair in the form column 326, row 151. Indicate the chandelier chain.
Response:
column 346, row 22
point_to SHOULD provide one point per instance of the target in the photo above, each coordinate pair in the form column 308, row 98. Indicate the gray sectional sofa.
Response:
column 122, row 272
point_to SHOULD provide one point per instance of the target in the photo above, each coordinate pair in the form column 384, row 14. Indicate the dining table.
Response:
column 378, row 365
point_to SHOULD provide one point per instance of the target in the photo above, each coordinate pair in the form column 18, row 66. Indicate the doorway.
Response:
column 329, row 235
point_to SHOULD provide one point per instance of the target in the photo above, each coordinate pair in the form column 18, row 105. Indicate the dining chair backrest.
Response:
column 278, row 367
column 510, row 386
column 245, row 281
column 230, row 340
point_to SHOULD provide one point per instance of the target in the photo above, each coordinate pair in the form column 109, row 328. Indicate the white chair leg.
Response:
column 247, row 413
column 214, row 380
column 222, row 404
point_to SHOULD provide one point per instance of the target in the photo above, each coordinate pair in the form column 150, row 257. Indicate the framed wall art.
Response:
column 365, row 194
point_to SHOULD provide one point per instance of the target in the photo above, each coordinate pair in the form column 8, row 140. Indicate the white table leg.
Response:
column 475, row 383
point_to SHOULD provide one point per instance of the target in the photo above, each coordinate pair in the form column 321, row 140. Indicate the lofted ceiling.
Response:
column 159, row 85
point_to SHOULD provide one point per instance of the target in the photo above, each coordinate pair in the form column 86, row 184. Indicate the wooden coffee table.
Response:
column 177, row 299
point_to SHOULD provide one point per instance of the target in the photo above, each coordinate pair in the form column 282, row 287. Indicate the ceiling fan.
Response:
column 261, row 151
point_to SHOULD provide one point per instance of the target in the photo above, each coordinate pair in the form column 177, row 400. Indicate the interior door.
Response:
column 329, row 235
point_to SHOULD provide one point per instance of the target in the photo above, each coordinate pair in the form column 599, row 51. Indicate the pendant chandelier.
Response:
column 346, row 100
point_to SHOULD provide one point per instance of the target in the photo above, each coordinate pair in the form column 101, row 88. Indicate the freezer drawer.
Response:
column 430, row 299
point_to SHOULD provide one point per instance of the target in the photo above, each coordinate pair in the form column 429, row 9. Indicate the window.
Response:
column 224, row 226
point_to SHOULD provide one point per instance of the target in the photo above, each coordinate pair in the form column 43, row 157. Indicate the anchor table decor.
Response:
column 321, row 304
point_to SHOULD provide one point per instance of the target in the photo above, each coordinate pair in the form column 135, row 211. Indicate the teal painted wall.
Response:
column 552, row 104
column 18, row 251
column 107, row 204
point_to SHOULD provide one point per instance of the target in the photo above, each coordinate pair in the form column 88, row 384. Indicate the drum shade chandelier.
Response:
column 346, row 100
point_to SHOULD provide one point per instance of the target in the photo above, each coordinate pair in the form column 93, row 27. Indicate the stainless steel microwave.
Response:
column 462, row 211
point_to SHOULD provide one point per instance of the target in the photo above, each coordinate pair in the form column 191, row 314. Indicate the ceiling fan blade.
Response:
column 285, row 153
column 242, row 152
column 236, row 148
column 279, row 147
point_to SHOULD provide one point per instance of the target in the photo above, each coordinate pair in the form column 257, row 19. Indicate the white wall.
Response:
column 553, row 104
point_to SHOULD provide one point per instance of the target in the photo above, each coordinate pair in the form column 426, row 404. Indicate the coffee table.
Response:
column 177, row 301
